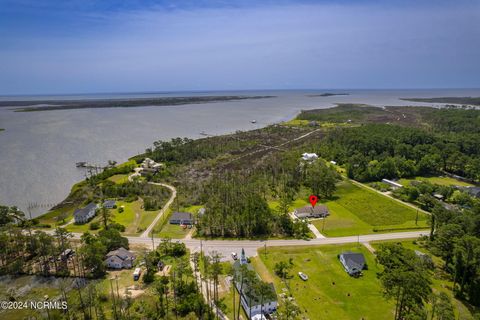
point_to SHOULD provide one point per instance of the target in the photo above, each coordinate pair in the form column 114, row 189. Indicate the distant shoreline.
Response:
column 50, row 105
column 475, row 101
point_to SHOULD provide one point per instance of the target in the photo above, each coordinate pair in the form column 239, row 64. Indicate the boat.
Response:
column 81, row 164
column 254, row 121
column 303, row 276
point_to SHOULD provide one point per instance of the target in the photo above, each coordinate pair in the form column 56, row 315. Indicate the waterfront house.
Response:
column 83, row 215
column 353, row 263
column 319, row 211
column 253, row 304
column 185, row 218
column 120, row 259
column 149, row 166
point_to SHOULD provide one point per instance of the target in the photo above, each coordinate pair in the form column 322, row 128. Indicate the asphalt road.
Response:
column 226, row 247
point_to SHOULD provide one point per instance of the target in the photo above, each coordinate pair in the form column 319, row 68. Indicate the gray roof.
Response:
column 250, row 297
column 309, row 210
column 181, row 216
column 83, row 212
column 473, row 191
column 122, row 253
column 354, row 260
column 109, row 203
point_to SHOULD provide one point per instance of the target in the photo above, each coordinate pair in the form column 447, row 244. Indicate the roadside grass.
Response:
column 440, row 180
column 356, row 210
column 441, row 281
column 329, row 293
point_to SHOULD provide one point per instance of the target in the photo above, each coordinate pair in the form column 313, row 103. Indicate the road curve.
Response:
column 163, row 210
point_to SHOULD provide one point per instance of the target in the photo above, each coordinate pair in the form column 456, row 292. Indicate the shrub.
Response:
column 94, row 226
column 118, row 226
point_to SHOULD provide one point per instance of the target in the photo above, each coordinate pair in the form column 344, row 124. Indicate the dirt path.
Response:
column 160, row 213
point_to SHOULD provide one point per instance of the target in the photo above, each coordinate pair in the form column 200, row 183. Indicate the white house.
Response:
column 251, row 303
column 149, row 166
column 83, row 215
column 309, row 156
column 120, row 259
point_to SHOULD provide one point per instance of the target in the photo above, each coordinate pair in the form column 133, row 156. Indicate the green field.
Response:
column 330, row 293
column 119, row 178
column 440, row 282
column 442, row 181
column 357, row 210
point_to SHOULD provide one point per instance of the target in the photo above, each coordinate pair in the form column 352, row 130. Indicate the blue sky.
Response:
column 116, row 46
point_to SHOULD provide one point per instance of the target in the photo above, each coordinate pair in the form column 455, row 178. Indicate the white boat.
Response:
column 303, row 276
column 254, row 121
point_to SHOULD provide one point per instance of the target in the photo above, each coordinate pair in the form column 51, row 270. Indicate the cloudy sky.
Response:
column 125, row 46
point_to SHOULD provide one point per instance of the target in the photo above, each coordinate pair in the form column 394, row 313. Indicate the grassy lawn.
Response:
column 356, row 210
column 440, row 282
column 119, row 178
column 442, row 181
column 330, row 293
column 51, row 217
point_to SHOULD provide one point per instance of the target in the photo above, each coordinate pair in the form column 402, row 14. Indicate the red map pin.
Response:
column 313, row 200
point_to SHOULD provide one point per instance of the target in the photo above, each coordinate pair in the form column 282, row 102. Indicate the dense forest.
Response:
column 435, row 140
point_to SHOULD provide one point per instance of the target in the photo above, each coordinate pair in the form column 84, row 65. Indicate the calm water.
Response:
column 39, row 149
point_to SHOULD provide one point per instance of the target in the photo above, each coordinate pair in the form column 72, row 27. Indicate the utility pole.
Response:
column 153, row 242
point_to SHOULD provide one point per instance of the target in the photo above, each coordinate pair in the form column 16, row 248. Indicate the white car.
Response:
column 234, row 256
column 303, row 276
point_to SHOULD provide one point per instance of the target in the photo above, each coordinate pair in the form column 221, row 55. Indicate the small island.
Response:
column 327, row 94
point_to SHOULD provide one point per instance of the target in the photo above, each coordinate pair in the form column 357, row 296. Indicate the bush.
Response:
column 94, row 226
column 118, row 226
column 131, row 198
column 148, row 277
column 120, row 209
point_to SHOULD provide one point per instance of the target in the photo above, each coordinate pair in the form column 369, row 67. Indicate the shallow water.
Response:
column 39, row 149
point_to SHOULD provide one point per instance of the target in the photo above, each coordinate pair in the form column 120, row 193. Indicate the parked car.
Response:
column 137, row 273
column 303, row 276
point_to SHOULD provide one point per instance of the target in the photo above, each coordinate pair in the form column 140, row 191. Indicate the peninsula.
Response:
column 49, row 105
